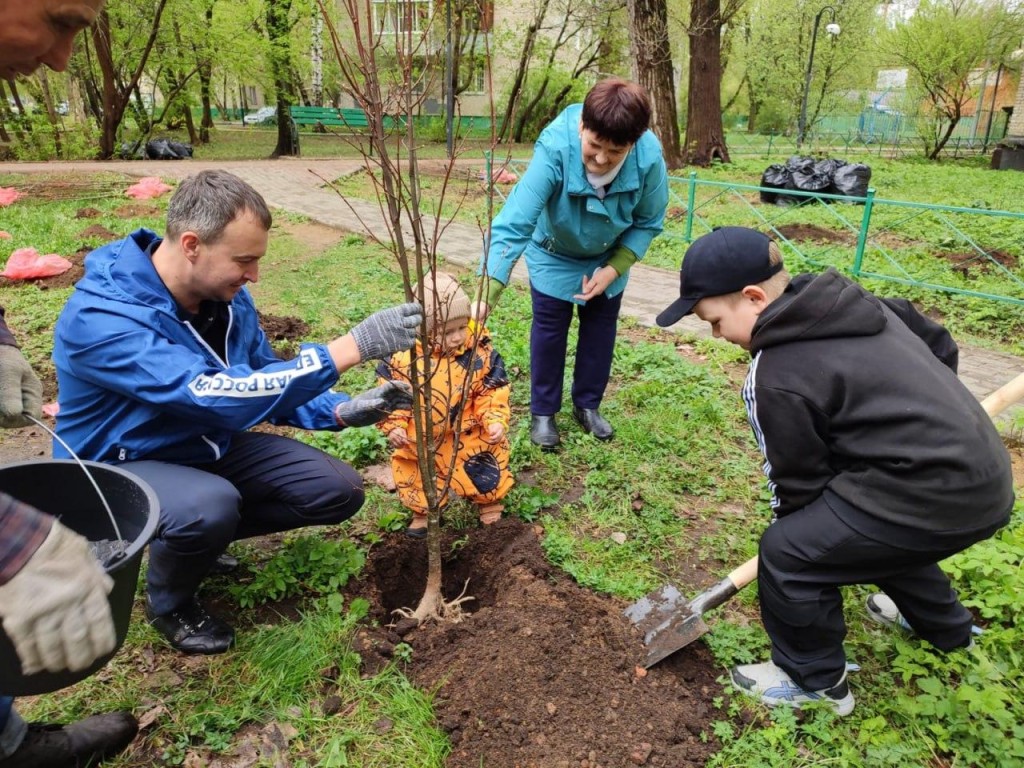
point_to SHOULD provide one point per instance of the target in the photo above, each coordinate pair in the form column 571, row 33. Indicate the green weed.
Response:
column 304, row 564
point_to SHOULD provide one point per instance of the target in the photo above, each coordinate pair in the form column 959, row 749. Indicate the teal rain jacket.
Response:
column 555, row 217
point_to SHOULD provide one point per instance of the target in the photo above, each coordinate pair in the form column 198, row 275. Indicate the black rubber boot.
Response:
column 544, row 432
column 86, row 743
column 594, row 423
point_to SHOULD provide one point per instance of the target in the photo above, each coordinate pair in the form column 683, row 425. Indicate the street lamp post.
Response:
column 832, row 29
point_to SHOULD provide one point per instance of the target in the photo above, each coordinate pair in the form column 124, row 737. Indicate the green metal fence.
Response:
column 967, row 251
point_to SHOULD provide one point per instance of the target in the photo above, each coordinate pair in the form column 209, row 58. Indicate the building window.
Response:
column 394, row 17
column 478, row 77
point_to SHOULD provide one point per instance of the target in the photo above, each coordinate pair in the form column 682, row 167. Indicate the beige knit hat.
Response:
column 443, row 299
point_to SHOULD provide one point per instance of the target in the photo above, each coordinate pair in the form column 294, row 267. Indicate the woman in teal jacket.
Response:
column 586, row 209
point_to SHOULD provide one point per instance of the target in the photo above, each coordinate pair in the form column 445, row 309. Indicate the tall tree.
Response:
column 942, row 45
column 770, row 48
column 652, row 68
column 705, row 135
column 279, row 27
column 119, row 80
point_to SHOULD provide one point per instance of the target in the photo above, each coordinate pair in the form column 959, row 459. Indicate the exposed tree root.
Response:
column 433, row 607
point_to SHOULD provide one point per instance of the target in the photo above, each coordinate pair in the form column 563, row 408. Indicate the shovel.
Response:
column 668, row 621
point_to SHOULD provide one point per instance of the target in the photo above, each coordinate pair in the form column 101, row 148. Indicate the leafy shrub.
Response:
column 304, row 564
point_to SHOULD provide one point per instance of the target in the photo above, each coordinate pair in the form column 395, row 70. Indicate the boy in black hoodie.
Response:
column 880, row 462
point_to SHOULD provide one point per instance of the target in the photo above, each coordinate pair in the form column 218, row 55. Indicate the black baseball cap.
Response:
column 725, row 260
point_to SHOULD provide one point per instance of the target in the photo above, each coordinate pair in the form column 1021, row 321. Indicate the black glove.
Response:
column 388, row 331
column 374, row 404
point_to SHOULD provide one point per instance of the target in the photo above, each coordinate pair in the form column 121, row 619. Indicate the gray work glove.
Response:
column 20, row 390
column 388, row 331
column 374, row 405
column 55, row 609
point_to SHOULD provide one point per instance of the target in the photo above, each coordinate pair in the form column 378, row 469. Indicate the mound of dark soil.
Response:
column 541, row 673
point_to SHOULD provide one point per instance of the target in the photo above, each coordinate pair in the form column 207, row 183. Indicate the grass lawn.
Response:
column 683, row 451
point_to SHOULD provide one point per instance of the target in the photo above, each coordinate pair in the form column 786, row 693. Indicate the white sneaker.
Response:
column 882, row 609
column 774, row 687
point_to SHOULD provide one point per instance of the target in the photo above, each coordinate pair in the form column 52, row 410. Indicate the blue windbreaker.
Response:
column 555, row 217
column 136, row 382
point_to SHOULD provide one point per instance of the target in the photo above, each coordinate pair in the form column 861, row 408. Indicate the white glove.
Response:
column 20, row 390
column 55, row 609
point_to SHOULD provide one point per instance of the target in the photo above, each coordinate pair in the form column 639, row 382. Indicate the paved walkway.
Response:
column 295, row 184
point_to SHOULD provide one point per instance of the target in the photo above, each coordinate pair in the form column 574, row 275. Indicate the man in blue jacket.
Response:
column 162, row 367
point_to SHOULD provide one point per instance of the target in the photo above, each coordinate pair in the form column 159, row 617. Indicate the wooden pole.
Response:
column 1004, row 397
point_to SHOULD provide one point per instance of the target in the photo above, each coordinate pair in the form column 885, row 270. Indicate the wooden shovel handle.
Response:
column 1004, row 397
column 744, row 574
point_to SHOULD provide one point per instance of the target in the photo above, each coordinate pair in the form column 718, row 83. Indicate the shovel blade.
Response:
column 655, row 610
column 676, row 634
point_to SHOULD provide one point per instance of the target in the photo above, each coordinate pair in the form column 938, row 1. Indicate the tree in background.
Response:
column 652, row 68
column 705, row 136
column 769, row 51
column 121, row 70
column 942, row 46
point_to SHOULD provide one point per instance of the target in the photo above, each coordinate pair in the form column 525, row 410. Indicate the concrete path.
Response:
column 296, row 185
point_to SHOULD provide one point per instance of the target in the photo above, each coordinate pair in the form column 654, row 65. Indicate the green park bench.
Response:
column 330, row 117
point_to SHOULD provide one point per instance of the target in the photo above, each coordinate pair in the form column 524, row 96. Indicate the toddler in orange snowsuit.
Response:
column 480, row 471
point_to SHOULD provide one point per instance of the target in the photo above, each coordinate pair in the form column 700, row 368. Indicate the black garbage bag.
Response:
column 774, row 177
column 800, row 164
column 131, row 150
column 852, row 179
column 828, row 166
column 181, row 149
column 165, row 149
column 811, row 180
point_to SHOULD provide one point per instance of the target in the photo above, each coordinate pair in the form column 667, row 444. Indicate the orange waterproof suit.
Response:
column 480, row 473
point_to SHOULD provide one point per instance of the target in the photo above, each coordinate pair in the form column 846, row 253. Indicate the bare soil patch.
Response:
column 970, row 261
column 542, row 673
column 803, row 232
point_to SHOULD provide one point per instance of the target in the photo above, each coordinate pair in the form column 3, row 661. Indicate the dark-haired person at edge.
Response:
column 585, row 211
column 53, row 592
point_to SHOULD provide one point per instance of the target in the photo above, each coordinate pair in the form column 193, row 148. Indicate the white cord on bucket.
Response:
column 110, row 513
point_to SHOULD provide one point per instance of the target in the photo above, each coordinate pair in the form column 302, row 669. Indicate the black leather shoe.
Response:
column 224, row 564
column 544, row 432
column 190, row 629
column 594, row 423
column 87, row 742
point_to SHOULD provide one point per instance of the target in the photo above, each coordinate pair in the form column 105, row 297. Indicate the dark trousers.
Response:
column 807, row 555
column 549, row 341
column 264, row 484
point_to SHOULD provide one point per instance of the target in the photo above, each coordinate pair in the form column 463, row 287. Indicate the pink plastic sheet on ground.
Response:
column 27, row 264
column 5, row 235
column 8, row 195
column 148, row 188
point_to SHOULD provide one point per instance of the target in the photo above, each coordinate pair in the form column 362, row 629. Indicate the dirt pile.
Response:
column 542, row 673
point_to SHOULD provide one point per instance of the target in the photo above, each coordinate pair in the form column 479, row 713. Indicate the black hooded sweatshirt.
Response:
column 857, row 399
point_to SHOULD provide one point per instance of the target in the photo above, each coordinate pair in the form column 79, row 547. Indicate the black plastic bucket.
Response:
column 63, row 489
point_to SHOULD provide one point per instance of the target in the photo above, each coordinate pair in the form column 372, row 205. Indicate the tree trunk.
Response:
column 115, row 97
column 205, row 82
column 521, row 70
column 652, row 68
column 278, row 30
column 705, row 139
